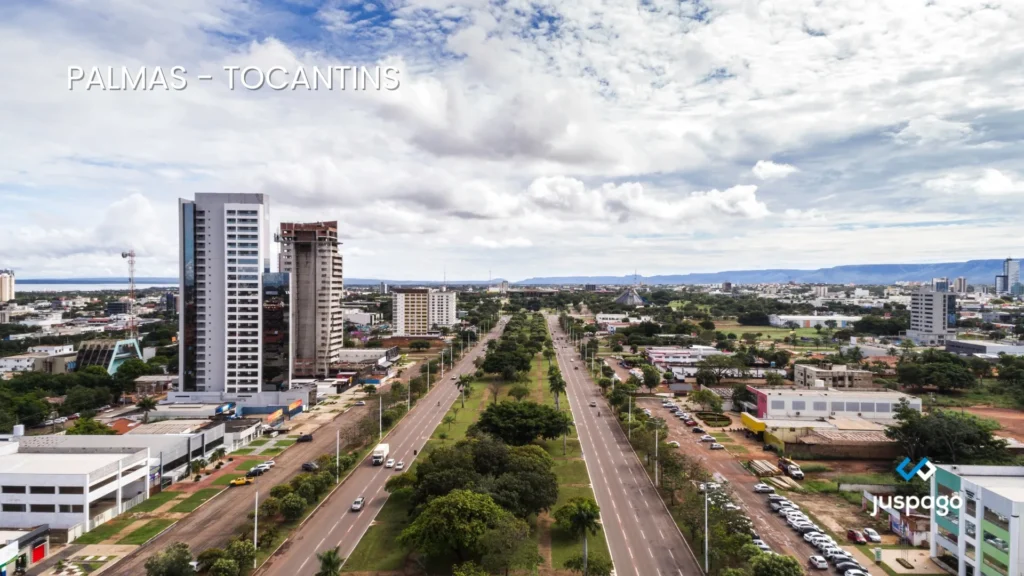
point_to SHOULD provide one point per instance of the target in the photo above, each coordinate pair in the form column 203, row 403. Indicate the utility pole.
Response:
column 706, row 488
column 655, row 457
column 631, row 418
column 380, row 416
column 337, row 456
column 255, row 526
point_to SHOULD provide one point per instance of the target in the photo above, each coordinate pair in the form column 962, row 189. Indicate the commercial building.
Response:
column 6, row 285
column 667, row 356
column 984, row 536
column 362, row 318
column 23, row 549
column 960, row 285
column 1011, row 269
column 982, row 348
column 803, row 321
column 107, row 354
column 423, row 311
column 827, row 403
column 932, row 317
column 940, row 284
column 309, row 252
column 69, row 489
column 832, row 376
column 54, row 349
column 20, row 362
column 118, row 307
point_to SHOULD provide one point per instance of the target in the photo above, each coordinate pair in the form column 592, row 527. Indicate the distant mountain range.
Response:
column 976, row 272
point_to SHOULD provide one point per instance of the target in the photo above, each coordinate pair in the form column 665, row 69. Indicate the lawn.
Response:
column 249, row 465
column 572, row 472
column 146, row 532
column 377, row 550
column 868, row 478
column 193, row 501
column 284, row 443
column 271, row 451
column 103, row 532
column 722, row 437
column 226, row 479
column 260, row 442
column 564, row 546
column 155, row 501
column 243, row 451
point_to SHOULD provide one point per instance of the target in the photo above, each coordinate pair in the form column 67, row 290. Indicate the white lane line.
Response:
column 335, row 526
column 303, row 564
column 660, row 533
column 321, row 542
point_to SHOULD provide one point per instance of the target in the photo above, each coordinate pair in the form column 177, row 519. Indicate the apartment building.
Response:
column 6, row 285
column 983, row 536
column 422, row 311
column 960, row 285
column 833, row 376
column 224, row 252
column 309, row 252
column 932, row 317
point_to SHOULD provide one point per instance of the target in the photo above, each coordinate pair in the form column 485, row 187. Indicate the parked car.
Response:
column 242, row 481
column 777, row 498
column 838, row 559
column 269, row 463
column 717, row 446
column 856, row 536
column 768, row 448
column 360, row 403
column 305, row 438
column 871, row 535
column 762, row 545
column 856, row 573
column 698, row 430
column 263, row 467
column 310, row 467
column 848, row 565
column 818, row 562
column 810, row 536
column 357, row 504
column 763, row 489
column 255, row 472
column 689, row 422
column 707, row 438
column 673, row 443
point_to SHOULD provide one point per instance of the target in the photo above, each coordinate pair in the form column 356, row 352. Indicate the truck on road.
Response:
column 380, row 454
column 791, row 469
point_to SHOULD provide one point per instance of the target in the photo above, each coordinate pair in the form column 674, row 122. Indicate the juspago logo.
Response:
column 923, row 469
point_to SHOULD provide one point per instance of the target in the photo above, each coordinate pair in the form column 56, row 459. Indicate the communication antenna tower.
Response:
column 133, row 332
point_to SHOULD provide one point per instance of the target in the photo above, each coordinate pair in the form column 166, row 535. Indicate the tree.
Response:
column 740, row 393
column 292, row 507
column 224, row 567
column 463, row 384
column 549, row 353
column 330, row 562
column 207, row 557
column 519, row 423
column 469, row 569
column 519, row 392
column 448, row 420
column 146, row 404
column 946, row 437
column 651, row 377
column 775, row 565
column 578, row 517
column 707, row 399
column 243, row 552
column 128, row 371
column 774, row 379
column 453, row 524
column 508, row 547
column 419, row 345
column 557, row 385
column 174, row 561
column 594, row 566
column 89, row 427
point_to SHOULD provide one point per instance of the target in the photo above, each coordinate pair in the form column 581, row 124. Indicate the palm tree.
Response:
column 146, row 404
column 566, row 426
column 556, row 384
column 196, row 467
column 219, row 454
column 549, row 353
column 330, row 563
column 463, row 385
column 578, row 517
column 449, row 420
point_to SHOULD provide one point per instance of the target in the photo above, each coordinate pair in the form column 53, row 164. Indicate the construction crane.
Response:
column 133, row 332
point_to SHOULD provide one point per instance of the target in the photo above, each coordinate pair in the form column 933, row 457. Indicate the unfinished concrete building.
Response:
column 310, row 253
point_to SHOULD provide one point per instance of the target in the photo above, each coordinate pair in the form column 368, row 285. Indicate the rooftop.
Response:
column 55, row 463
column 170, row 427
column 833, row 392
column 844, row 437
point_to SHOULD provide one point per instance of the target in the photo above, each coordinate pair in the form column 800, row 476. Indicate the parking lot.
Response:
column 772, row 528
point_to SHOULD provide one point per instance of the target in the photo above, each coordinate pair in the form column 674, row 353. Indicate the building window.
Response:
column 882, row 407
column 997, row 542
column 997, row 519
column 867, row 407
column 970, row 551
column 853, row 407
column 43, row 508
column 994, row 564
column 72, row 490
column 778, row 404
column 13, row 490
column 13, row 508
column 837, row 406
column 42, row 489
column 820, row 406
column 799, row 405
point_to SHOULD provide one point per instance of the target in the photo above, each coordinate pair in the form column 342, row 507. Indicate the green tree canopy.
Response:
column 454, row 524
column 519, row 423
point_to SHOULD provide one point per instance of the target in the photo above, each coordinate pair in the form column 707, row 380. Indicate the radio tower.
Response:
column 132, row 330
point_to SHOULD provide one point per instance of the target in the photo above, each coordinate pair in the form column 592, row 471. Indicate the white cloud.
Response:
column 987, row 182
column 931, row 128
column 501, row 242
column 768, row 170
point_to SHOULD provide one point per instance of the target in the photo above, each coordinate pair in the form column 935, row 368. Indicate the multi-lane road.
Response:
column 334, row 525
column 642, row 536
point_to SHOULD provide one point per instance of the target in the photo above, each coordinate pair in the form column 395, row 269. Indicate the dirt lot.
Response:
column 1012, row 421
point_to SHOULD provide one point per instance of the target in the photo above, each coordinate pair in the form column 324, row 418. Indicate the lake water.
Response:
column 22, row 288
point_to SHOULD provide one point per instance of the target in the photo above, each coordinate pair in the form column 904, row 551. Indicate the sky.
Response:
column 525, row 139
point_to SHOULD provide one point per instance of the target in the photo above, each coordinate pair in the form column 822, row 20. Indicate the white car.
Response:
column 856, row 573
column 717, row 446
column 818, row 562
column 673, row 443
column 871, row 535
column 390, row 463
column 262, row 467
column 268, row 463
column 707, row 438
column 763, row 489
column 399, row 466
column 810, row 537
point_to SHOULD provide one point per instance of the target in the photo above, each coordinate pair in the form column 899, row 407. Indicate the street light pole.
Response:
column 631, row 418
column 655, row 457
column 706, row 489
column 255, row 526
column 380, row 417
column 337, row 456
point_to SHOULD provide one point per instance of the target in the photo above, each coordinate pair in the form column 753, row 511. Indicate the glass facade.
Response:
column 276, row 331
column 189, row 319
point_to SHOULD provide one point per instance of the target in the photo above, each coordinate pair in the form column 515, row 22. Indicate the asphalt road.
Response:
column 334, row 524
column 642, row 537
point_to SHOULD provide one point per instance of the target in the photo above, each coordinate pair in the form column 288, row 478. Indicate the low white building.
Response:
column 828, row 403
column 805, row 321
column 20, row 362
column 53, row 350
column 67, row 488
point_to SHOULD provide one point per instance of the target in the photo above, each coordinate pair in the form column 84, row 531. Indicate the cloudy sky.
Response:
column 526, row 138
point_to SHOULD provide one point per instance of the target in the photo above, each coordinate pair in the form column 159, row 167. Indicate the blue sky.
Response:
column 526, row 138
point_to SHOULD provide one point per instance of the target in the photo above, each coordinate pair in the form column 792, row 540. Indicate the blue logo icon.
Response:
column 919, row 469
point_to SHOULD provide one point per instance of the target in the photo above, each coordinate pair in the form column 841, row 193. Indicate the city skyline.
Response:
column 728, row 138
